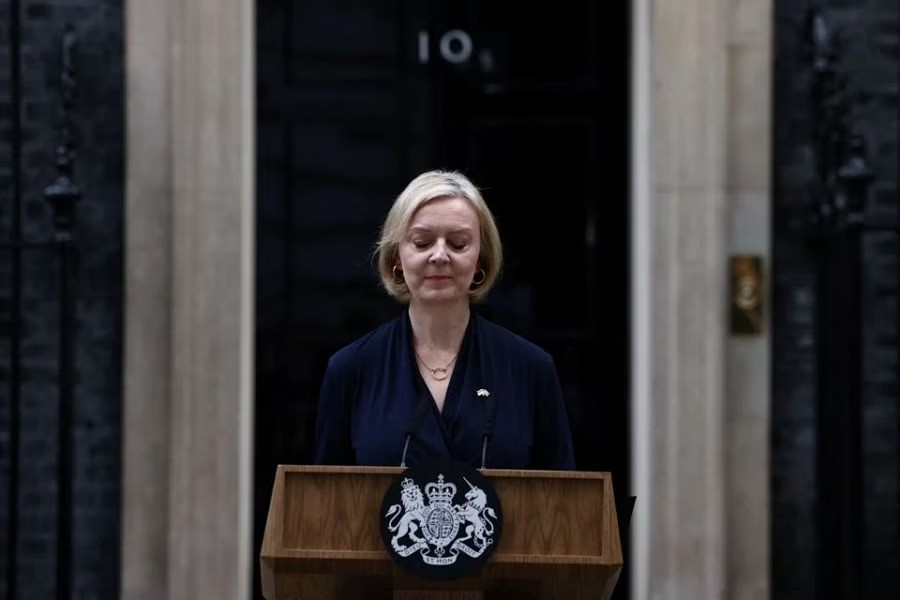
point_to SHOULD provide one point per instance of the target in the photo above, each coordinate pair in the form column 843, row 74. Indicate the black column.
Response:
column 62, row 195
column 841, row 189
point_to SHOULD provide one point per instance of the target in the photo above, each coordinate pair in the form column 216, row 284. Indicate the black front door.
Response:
column 356, row 98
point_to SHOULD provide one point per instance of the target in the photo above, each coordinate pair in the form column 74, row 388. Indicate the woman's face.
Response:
column 439, row 254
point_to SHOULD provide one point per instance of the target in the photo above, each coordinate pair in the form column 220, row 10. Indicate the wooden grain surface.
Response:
column 322, row 539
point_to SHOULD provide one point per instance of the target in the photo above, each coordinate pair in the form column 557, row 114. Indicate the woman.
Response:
column 440, row 374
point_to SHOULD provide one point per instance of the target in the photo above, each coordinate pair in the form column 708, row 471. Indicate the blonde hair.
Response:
column 433, row 185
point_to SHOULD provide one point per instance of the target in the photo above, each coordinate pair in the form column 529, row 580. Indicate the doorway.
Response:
column 356, row 98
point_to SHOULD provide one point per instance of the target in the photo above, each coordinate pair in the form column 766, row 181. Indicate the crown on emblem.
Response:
column 440, row 491
column 407, row 483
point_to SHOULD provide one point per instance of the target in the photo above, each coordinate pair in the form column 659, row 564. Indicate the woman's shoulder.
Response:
column 366, row 347
column 512, row 344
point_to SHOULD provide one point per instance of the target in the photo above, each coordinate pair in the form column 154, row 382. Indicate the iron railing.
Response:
column 62, row 195
column 841, row 192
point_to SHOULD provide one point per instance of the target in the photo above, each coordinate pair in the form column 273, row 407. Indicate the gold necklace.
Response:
column 434, row 372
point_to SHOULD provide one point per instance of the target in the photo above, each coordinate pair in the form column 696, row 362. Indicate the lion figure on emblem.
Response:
column 411, row 519
column 478, row 515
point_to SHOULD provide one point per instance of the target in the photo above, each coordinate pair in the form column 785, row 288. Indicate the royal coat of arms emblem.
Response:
column 449, row 530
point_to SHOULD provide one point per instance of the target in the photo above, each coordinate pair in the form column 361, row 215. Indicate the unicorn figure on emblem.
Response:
column 478, row 515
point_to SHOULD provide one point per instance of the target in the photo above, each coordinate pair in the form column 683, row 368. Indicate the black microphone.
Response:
column 414, row 425
column 490, row 415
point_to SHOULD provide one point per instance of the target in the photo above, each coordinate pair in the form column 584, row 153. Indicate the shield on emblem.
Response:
column 441, row 520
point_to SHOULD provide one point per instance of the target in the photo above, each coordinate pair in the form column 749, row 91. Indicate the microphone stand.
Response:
column 487, row 432
column 413, row 427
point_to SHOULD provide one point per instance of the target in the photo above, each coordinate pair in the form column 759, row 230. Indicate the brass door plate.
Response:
column 746, row 294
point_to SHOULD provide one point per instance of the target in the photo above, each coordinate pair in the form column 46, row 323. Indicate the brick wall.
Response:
column 5, row 197
column 99, row 173
column 869, row 34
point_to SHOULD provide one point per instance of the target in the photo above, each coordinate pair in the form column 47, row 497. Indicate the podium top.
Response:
column 326, row 519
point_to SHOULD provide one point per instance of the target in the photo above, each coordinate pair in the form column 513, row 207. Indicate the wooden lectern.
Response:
column 322, row 540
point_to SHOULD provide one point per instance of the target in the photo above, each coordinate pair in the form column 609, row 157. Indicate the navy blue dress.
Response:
column 372, row 388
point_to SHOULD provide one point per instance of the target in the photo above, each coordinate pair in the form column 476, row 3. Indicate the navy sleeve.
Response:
column 332, row 444
column 553, row 437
